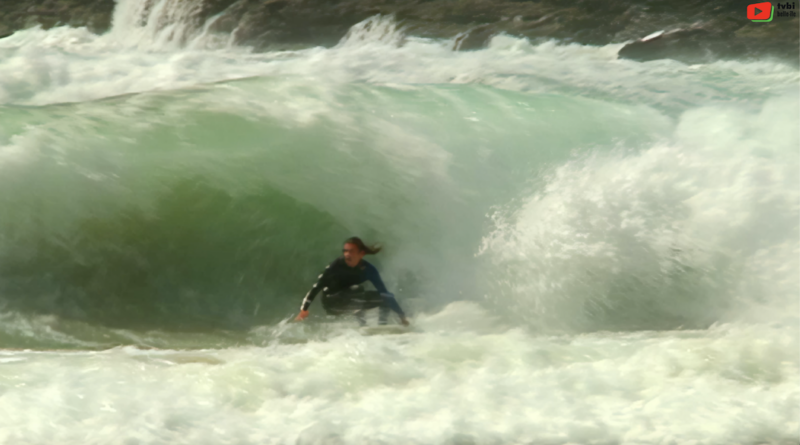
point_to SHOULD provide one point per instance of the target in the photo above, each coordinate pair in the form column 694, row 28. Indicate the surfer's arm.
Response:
column 315, row 289
column 375, row 278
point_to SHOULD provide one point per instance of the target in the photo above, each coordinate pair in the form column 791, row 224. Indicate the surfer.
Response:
column 342, row 293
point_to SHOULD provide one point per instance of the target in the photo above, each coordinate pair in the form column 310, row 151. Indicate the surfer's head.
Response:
column 354, row 249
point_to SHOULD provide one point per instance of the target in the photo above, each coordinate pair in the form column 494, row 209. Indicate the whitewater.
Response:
column 591, row 250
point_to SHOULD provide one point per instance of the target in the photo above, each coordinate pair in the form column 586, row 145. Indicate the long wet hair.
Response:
column 369, row 250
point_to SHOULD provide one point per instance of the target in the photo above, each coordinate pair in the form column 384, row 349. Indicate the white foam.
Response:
column 163, row 46
column 721, row 386
column 377, row 30
column 686, row 229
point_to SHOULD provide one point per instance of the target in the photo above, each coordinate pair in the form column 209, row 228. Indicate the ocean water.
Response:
column 591, row 250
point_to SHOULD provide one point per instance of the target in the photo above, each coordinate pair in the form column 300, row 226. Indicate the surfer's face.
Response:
column 352, row 254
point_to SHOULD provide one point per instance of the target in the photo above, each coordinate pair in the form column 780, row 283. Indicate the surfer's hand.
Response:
column 301, row 316
column 404, row 321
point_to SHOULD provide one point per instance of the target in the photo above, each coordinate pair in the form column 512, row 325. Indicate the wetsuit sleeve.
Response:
column 322, row 279
column 375, row 278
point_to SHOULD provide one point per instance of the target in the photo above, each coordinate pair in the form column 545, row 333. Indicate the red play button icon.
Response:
column 759, row 11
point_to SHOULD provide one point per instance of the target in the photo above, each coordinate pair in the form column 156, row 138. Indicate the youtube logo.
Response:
column 760, row 12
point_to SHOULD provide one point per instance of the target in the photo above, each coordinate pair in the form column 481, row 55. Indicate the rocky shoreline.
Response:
column 694, row 31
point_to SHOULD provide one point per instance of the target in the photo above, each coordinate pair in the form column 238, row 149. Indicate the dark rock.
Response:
column 94, row 14
column 701, row 31
column 708, row 43
column 686, row 45
column 475, row 38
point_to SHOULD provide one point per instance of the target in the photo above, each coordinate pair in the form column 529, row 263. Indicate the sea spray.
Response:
column 674, row 235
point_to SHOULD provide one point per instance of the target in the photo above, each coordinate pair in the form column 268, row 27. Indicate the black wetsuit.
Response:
column 342, row 293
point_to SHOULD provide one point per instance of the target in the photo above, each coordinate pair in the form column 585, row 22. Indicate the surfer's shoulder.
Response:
column 366, row 266
column 338, row 262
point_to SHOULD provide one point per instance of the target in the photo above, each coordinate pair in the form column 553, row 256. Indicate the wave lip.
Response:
column 148, row 52
column 216, row 206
